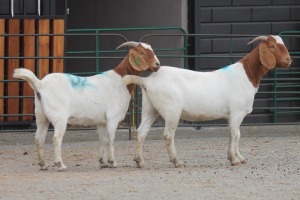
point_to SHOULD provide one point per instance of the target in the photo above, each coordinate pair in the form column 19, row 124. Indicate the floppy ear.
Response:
column 266, row 57
column 137, row 61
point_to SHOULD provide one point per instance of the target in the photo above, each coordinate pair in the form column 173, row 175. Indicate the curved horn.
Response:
column 263, row 38
column 128, row 44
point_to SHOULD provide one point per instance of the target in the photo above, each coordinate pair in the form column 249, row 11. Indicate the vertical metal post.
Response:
column 275, row 97
column 12, row 8
column 185, row 38
column 39, row 7
column 97, row 51
column 231, row 50
column 132, row 130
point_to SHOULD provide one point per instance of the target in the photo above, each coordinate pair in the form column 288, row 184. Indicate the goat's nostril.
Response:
column 157, row 64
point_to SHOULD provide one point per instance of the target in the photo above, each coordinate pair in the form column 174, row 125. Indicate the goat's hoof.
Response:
column 113, row 164
column 60, row 166
column 236, row 164
column 180, row 164
column 243, row 162
column 139, row 162
column 104, row 165
column 102, row 161
column 61, row 169
column 177, row 163
column 44, row 168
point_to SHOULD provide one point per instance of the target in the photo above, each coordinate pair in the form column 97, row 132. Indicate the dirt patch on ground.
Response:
column 272, row 170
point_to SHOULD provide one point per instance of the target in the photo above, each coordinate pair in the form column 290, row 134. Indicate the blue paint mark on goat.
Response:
column 78, row 82
column 225, row 68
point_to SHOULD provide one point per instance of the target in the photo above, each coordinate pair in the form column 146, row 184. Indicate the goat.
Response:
column 101, row 100
column 227, row 93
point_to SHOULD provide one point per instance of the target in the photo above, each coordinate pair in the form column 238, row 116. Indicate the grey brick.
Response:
column 240, row 45
column 271, row 14
column 296, row 62
column 251, row 2
column 208, row 64
column 294, row 44
column 251, row 28
column 204, row 46
column 215, row 28
column 232, row 14
column 278, row 27
column 4, row 8
column 234, row 45
column 286, row 2
column 295, row 13
column 287, row 42
column 212, row 3
column 221, row 45
column 205, row 15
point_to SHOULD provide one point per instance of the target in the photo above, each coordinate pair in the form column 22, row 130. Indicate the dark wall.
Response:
column 116, row 13
column 123, row 14
column 255, row 17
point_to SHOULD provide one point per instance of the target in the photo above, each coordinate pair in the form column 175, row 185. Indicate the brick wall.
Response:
column 254, row 17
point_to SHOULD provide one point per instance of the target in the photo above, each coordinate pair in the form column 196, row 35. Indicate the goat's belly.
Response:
column 84, row 121
column 194, row 116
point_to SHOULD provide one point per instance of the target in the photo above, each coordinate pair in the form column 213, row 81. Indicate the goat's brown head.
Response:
column 142, row 56
column 273, row 52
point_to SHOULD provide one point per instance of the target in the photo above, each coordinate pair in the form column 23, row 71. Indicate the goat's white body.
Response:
column 176, row 94
column 200, row 96
column 63, row 99
column 84, row 101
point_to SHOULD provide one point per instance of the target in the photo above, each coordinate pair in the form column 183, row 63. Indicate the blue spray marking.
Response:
column 105, row 74
column 225, row 68
column 78, row 82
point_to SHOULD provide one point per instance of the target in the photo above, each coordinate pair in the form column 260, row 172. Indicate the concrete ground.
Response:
column 272, row 170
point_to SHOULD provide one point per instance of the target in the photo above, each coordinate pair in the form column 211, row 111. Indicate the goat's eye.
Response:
column 271, row 46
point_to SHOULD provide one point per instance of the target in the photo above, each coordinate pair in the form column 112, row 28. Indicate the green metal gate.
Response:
column 278, row 97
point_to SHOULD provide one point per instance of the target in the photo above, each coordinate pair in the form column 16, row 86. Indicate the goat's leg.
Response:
column 149, row 114
column 103, row 140
column 169, row 134
column 42, row 124
column 237, row 151
column 111, row 132
column 233, row 151
column 59, row 131
column 42, row 129
column 142, row 132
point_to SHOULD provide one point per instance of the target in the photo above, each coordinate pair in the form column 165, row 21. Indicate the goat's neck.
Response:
column 125, row 68
column 253, row 67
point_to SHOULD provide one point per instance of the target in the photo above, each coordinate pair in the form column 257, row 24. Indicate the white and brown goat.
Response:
column 227, row 93
column 101, row 100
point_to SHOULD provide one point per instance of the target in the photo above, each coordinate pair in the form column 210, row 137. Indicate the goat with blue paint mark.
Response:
column 101, row 100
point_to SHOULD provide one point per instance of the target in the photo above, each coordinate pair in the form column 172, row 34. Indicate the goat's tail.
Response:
column 28, row 76
column 129, row 79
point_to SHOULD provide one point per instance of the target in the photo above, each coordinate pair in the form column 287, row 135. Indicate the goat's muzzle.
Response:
column 286, row 61
column 156, row 68
column 155, row 65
